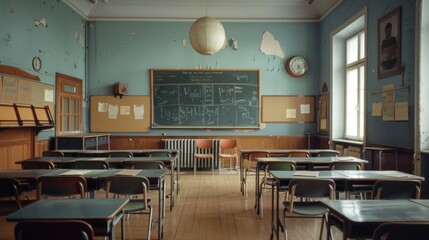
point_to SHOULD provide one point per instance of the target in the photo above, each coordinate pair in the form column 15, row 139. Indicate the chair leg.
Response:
column 195, row 166
column 150, row 223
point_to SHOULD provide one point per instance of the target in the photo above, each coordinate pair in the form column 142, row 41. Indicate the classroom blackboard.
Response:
column 189, row 98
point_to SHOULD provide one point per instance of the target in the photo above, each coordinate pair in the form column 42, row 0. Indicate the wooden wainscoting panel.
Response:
column 17, row 144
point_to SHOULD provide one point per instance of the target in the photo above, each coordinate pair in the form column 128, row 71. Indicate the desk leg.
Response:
column 161, row 204
column 172, row 187
column 241, row 175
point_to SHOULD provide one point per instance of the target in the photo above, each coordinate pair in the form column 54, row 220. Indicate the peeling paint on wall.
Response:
column 184, row 43
column 270, row 46
column 11, row 11
column 40, row 22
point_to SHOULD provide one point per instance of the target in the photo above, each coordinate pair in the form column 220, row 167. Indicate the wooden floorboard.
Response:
column 209, row 206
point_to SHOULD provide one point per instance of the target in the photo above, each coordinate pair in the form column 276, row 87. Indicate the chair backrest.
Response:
column 396, row 189
column 281, row 166
column 127, row 186
column 121, row 154
column 10, row 187
column 37, row 164
column 161, row 154
column 299, row 154
column 312, row 188
column 53, row 230
column 204, row 143
column 94, row 154
column 145, row 164
column 251, row 161
column 228, row 143
column 61, row 186
column 345, row 165
column 327, row 154
column 52, row 154
column 90, row 164
column 402, row 230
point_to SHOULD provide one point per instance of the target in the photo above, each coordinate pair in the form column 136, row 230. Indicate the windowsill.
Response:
column 341, row 140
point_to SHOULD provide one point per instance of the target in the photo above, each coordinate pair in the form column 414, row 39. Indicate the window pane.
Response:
column 66, row 106
column 352, row 98
column 73, row 123
column 73, row 106
column 66, row 123
column 361, row 101
column 69, row 89
column 362, row 46
column 352, row 50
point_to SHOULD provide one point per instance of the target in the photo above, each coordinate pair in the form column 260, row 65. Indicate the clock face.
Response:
column 297, row 66
column 37, row 63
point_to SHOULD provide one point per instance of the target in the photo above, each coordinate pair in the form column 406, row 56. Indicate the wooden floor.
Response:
column 208, row 207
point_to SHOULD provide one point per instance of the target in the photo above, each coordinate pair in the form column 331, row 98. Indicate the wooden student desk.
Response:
column 95, row 179
column 101, row 214
column 343, row 180
column 361, row 217
column 245, row 153
column 118, row 162
column 308, row 161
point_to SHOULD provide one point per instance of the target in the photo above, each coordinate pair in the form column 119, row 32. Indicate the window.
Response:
column 348, row 69
column 354, row 87
column 68, row 111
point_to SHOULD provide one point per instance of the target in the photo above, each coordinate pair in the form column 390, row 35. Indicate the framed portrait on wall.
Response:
column 389, row 44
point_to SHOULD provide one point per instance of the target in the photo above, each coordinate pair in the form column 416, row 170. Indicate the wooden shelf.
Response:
column 20, row 115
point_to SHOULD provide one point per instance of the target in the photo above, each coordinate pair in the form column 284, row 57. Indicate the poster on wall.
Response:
column 389, row 44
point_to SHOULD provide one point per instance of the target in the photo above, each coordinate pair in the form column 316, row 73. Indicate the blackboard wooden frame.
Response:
column 205, row 99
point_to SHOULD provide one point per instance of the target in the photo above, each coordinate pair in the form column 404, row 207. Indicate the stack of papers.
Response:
column 128, row 172
column 306, row 173
column 76, row 172
column 345, row 158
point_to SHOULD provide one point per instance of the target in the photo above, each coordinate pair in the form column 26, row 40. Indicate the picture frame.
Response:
column 389, row 44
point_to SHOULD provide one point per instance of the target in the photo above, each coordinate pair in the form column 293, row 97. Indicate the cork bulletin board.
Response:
column 126, row 114
column 288, row 108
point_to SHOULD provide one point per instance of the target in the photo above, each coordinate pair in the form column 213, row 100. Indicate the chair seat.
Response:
column 307, row 208
column 135, row 205
column 203, row 155
column 226, row 155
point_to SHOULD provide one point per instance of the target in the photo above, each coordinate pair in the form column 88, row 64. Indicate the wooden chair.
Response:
column 327, row 154
column 396, row 189
column 314, row 189
column 203, row 150
column 37, row 164
column 228, row 150
column 10, row 187
column 136, row 186
column 61, row 186
column 53, row 230
column 402, row 230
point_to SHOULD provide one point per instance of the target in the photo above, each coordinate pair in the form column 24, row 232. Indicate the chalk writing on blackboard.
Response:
column 205, row 98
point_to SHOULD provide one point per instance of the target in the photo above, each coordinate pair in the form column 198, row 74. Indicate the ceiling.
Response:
column 189, row 10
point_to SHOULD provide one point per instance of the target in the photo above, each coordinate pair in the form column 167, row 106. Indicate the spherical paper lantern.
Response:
column 207, row 35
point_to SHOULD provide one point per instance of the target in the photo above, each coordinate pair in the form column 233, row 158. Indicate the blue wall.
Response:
column 59, row 45
column 391, row 133
column 126, row 51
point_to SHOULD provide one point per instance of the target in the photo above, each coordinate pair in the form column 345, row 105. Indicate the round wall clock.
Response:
column 296, row 66
column 37, row 64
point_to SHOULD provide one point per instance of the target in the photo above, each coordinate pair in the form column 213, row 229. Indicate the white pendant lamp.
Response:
column 207, row 35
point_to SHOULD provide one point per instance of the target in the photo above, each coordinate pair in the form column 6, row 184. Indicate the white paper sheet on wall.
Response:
column 113, row 111
column 102, row 107
column 138, row 111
